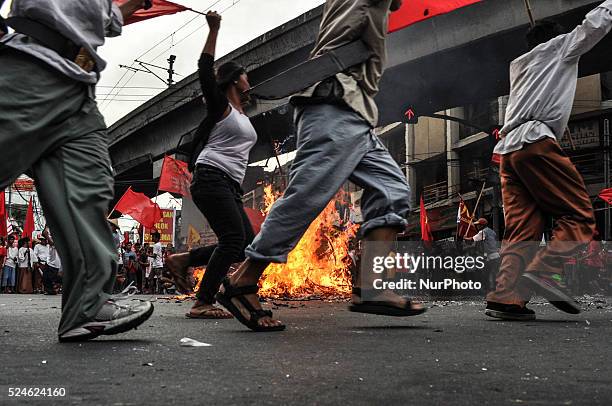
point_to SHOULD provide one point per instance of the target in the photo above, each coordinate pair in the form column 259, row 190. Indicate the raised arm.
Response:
column 216, row 102
column 593, row 29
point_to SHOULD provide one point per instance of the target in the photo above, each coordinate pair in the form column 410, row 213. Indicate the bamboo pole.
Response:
column 475, row 208
column 530, row 13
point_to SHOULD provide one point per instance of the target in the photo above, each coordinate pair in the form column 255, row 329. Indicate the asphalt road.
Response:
column 453, row 355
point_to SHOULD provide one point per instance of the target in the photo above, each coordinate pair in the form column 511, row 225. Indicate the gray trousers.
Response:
column 334, row 144
column 50, row 125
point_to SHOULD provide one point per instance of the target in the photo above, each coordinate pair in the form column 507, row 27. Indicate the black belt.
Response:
column 3, row 27
column 45, row 36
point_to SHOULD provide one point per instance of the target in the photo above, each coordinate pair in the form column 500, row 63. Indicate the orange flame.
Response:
column 319, row 265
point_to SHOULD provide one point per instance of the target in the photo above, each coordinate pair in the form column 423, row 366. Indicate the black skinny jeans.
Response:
column 219, row 198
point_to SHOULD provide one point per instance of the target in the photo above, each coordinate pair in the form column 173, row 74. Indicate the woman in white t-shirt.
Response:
column 224, row 141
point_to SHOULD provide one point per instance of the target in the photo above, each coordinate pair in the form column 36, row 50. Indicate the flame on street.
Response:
column 319, row 265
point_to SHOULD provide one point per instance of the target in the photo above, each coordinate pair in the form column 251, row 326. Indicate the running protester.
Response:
column 336, row 142
column 537, row 178
column 50, row 125
column 225, row 139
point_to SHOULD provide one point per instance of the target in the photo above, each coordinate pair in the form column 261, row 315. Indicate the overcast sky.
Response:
column 243, row 21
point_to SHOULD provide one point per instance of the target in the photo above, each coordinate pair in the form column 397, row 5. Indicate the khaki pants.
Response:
column 50, row 126
column 537, row 182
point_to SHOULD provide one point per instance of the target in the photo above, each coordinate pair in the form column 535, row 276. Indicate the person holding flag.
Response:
column 537, row 178
column 50, row 125
column 219, row 160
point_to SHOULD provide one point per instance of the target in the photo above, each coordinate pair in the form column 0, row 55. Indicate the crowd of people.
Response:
column 143, row 265
column 30, row 266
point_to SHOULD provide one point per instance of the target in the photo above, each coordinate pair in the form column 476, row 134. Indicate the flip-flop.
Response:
column 225, row 299
column 382, row 308
column 205, row 314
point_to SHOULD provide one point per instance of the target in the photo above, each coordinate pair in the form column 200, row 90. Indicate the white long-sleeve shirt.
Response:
column 86, row 23
column 543, row 83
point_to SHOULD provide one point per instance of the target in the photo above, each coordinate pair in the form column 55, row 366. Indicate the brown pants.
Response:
column 539, row 181
column 24, row 284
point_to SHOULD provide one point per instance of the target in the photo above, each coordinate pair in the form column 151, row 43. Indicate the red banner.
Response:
column 160, row 8
column 3, row 230
column 24, row 185
column 28, row 227
column 256, row 218
column 139, row 207
column 465, row 222
column 414, row 11
column 175, row 177
column 165, row 228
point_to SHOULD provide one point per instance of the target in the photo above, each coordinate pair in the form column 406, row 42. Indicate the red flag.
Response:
column 139, row 207
column 256, row 218
column 28, row 227
column 496, row 159
column 414, row 11
column 175, row 177
column 160, row 8
column 606, row 195
column 426, row 234
column 3, row 230
column 465, row 222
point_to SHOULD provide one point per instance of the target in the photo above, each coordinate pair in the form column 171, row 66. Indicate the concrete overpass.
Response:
column 448, row 61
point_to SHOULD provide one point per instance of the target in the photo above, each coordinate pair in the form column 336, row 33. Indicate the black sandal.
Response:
column 225, row 299
column 384, row 308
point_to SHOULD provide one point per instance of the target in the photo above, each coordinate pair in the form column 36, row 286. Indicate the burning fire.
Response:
column 319, row 265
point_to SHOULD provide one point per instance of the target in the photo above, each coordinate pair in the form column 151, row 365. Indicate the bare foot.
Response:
column 253, row 299
column 202, row 310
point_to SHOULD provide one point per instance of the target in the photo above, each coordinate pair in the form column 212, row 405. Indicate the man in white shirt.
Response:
column 537, row 178
column 158, row 260
column 488, row 238
column 51, row 126
column 51, row 274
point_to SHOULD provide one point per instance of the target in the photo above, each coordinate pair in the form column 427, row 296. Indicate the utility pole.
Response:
column 607, row 157
column 171, row 61
column 145, row 69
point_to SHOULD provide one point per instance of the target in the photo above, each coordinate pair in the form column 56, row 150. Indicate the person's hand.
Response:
column 214, row 20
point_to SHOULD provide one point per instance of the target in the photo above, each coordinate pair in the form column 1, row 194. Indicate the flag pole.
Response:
column 116, row 204
column 475, row 208
column 195, row 11
column 530, row 13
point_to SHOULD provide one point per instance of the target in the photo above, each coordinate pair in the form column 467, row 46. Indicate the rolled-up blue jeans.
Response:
column 334, row 144
column 8, row 276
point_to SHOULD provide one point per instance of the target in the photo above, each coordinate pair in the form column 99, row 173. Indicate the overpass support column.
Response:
column 452, row 157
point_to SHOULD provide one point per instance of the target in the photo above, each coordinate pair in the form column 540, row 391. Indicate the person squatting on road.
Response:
column 50, row 126
column 225, row 139
column 537, row 178
column 335, row 143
